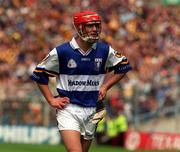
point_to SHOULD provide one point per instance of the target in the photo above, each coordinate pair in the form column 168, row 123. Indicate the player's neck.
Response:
column 83, row 45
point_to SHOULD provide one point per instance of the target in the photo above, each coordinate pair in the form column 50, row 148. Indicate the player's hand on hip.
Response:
column 59, row 102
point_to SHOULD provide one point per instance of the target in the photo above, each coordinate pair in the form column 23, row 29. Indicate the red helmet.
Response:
column 81, row 19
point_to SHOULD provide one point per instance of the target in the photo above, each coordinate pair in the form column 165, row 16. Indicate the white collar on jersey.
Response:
column 74, row 45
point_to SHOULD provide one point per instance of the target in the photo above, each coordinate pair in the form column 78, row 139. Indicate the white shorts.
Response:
column 74, row 117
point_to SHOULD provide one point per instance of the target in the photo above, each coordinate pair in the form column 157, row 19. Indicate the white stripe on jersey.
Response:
column 112, row 59
column 80, row 82
column 50, row 62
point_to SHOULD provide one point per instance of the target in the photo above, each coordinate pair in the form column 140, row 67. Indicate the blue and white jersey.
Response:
column 79, row 74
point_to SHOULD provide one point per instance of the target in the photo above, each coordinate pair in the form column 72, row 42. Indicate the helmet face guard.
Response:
column 84, row 19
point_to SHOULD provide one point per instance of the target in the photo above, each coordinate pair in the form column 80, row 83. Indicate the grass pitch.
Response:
column 60, row 148
column 52, row 148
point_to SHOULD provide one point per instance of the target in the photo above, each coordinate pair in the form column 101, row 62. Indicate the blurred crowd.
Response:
column 149, row 37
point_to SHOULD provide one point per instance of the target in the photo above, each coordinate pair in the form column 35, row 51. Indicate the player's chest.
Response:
column 76, row 63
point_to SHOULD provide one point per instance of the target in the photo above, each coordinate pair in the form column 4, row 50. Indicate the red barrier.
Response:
column 152, row 141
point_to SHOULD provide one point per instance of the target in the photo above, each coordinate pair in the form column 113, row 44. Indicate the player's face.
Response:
column 93, row 28
column 92, row 31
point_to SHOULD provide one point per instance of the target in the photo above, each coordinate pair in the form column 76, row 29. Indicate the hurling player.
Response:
column 80, row 67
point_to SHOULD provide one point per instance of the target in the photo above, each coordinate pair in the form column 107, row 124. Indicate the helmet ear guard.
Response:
column 80, row 29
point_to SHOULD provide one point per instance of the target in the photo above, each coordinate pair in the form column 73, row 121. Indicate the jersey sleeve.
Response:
column 49, row 67
column 117, row 62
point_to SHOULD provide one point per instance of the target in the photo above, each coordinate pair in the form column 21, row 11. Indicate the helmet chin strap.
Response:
column 90, row 39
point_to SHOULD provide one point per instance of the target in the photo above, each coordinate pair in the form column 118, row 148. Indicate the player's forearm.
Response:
column 46, row 92
column 113, row 79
